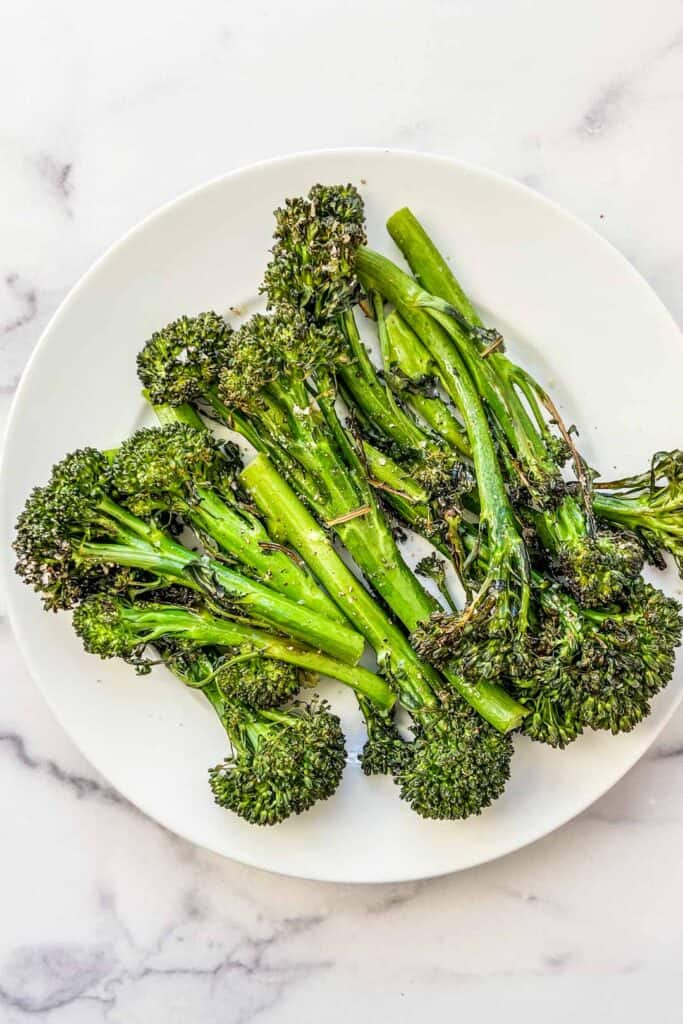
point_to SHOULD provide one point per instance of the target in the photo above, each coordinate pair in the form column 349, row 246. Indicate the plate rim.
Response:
column 6, row 561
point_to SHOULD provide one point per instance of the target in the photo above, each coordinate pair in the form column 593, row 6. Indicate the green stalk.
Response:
column 564, row 525
column 311, row 446
column 292, row 434
column 299, row 622
column 408, row 498
column 132, row 526
column 389, row 477
column 436, row 276
column 249, row 543
column 378, row 273
column 636, row 512
column 374, row 399
column 659, row 528
column 369, row 540
column 233, row 419
column 215, row 699
column 169, row 414
column 427, row 263
column 208, row 631
column 239, row 592
column 138, row 556
column 371, row 544
column 508, row 571
column 406, row 352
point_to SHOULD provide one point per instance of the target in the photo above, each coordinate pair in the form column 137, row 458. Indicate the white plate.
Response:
column 585, row 317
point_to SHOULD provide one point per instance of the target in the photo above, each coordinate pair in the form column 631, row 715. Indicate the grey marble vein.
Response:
column 25, row 297
column 255, row 966
column 609, row 107
column 666, row 753
column 528, row 897
column 81, row 785
column 604, row 111
column 59, row 176
column 38, row 979
column 396, row 897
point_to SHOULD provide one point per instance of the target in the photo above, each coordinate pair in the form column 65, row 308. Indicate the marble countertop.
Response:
column 107, row 113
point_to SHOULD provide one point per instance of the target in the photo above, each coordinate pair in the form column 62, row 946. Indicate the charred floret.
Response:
column 180, row 363
column 312, row 268
column 283, row 762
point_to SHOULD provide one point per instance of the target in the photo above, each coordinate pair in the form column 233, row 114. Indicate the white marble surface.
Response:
column 109, row 111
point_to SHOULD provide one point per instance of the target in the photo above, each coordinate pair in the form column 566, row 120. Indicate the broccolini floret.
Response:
column 179, row 362
column 243, row 674
column 312, row 268
column 597, row 669
column 283, row 762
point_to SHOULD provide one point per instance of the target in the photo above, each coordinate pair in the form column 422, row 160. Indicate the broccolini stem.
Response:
column 406, row 497
column 168, row 414
column 297, row 621
column 353, row 463
column 279, row 450
column 562, row 525
column 371, row 543
column 315, row 453
column 436, row 276
column 218, row 702
column 133, row 526
column 233, row 419
column 375, row 400
column 637, row 512
column 138, row 556
column 208, row 631
column 406, row 352
column 250, row 544
column 212, row 693
column 659, row 528
column 389, row 476
column 427, row 263
column 367, row 536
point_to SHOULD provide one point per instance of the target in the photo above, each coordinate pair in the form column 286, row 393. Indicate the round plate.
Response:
column 571, row 308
